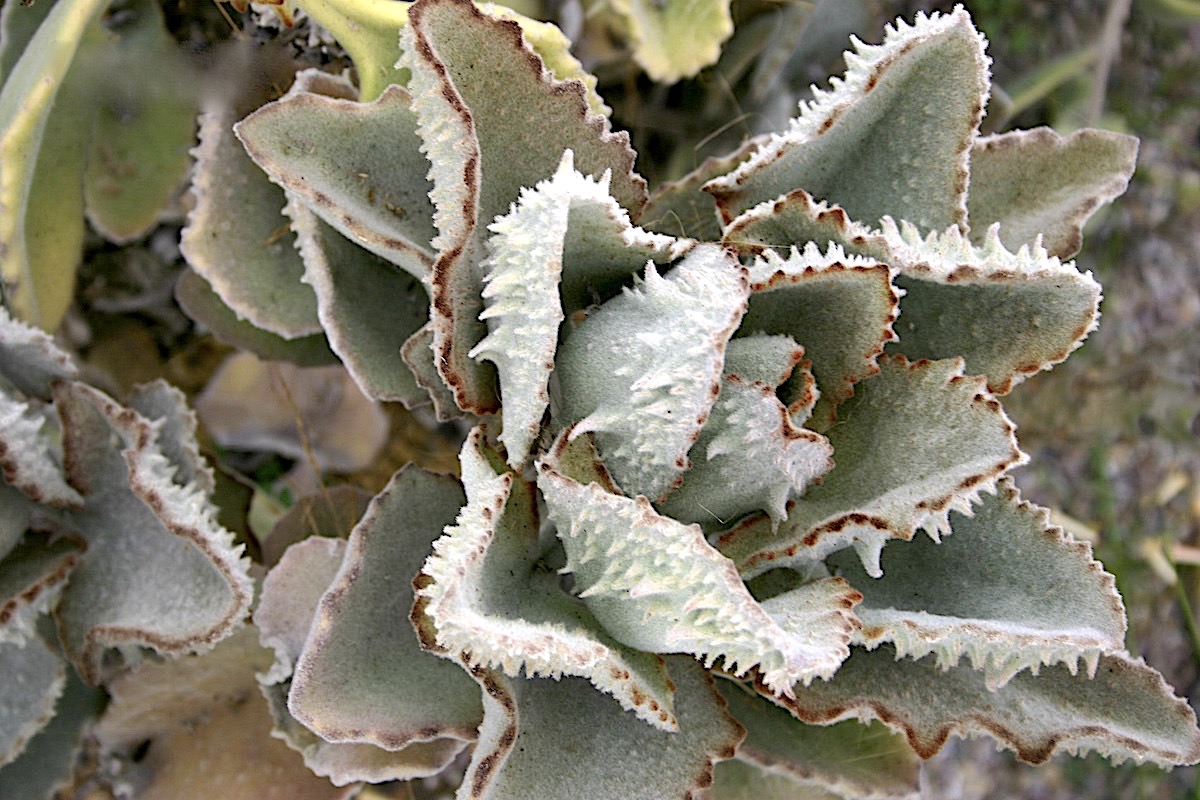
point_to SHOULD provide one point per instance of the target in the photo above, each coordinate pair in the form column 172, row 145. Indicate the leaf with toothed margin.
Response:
column 839, row 308
column 366, row 305
column 657, row 585
column 565, row 245
column 30, row 453
column 198, row 300
column 644, row 369
column 358, row 166
column 892, row 137
column 159, row 571
column 850, row 758
column 560, row 740
column 493, row 120
column 752, row 454
column 362, row 676
column 1038, row 183
column 488, row 594
column 1008, row 314
column 915, row 441
column 32, row 576
column 1126, row 712
column 29, row 359
column 419, row 356
column 1006, row 590
column 33, row 680
column 292, row 594
column 675, row 40
column 198, row 727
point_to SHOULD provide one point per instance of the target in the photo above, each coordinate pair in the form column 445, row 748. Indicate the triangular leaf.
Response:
column 644, row 369
column 890, row 138
column 915, row 441
column 657, row 585
column 1037, row 183
column 356, row 165
column 533, row 745
column 469, row 72
column 1126, row 711
column 488, row 595
column 1007, row 590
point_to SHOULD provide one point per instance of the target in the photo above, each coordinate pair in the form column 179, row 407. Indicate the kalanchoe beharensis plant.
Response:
column 734, row 517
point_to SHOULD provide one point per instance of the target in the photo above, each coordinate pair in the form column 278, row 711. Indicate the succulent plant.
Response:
column 735, row 516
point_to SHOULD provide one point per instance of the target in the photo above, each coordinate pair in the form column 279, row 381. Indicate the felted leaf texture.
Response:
column 644, row 369
column 159, row 571
column 1038, row 183
column 356, row 165
column 292, row 593
column 29, row 359
column 658, row 585
column 33, row 680
column 532, row 742
column 752, row 455
column 915, row 441
column 566, row 244
column 470, row 75
column 735, row 779
column 840, row 308
column 32, row 575
column 890, row 138
column 1126, row 711
column 30, row 454
column 1007, row 590
column 366, row 306
column 488, row 593
column 850, row 758
column 362, row 676
column 678, row 38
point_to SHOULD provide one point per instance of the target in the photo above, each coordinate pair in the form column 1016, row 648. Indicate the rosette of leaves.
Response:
column 109, row 548
column 732, row 505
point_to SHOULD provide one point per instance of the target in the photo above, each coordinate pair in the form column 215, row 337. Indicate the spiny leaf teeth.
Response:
column 29, row 358
column 643, row 370
column 657, row 585
column 494, row 604
column 840, row 148
column 916, row 441
column 32, row 575
column 30, row 455
column 1036, row 596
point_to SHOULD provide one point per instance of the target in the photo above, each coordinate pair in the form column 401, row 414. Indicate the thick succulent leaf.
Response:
column 366, row 306
column 362, row 676
column 237, row 237
column 1126, row 711
column 678, row 38
column 565, row 245
column 16, row 512
column 202, row 304
column 1037, row 183
column 1008, row 314
column 644, row 369
column 420, row 357
column 36, row 287
column 356, row 165
column 849, row 758
column 369, row 33
column 839, row 308
column 751, row 455
column 33, row 680
column 680, row 208
column 159, row 571
column 30, row 454
column 559, row 740
column 736, row 779
column 892, row 137
column 1007, row 590
column 29, row 359
column 915, row 441
column 208, row 729
column 144, row 122
column 31, row 577
column 46, row 765
column 488, row 593
column 469, row 72
column 292, row 594
column 657, row 585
